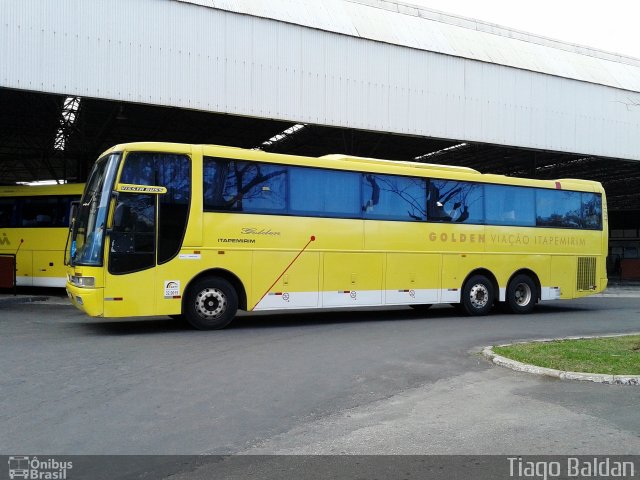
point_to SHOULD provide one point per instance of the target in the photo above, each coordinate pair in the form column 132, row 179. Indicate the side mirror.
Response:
column 73, row 212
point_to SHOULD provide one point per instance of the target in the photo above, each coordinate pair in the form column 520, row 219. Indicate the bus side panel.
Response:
column 270, row 244
column 395, row 236
column 24, row 268
column 192, row 262
column 455, row 269
column 49, row 269
column 504, row 266
column 352, row 279
column 412, row 278
column 295, row 288
column 602, row 273
column 130, row 295
column 563, row 274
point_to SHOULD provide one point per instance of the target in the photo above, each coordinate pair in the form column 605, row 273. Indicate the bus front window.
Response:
column 87, row 236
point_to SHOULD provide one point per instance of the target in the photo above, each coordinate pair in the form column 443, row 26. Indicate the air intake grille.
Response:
column 586, row 273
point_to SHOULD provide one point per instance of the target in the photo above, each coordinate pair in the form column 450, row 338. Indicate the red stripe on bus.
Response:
column 312, row 239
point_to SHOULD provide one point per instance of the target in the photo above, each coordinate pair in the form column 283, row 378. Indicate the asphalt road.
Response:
column 359, row 382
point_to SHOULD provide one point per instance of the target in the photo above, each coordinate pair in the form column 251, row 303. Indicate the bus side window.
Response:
column 133, row 234
column 508, row 205
column 394, row 197
column 243, row 186
column 7, row 212
column 452, row 201
column 592, row 211
column 121, row 217
column 558, row 208
column 320, row 192
column 44, row 212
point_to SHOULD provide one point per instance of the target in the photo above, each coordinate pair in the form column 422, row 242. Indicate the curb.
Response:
column 560, row 374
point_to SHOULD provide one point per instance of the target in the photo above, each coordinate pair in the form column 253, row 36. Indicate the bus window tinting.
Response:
column 133, row 234
column 592, row 211
column 244, row 186
column 328, row 193
column 174, row 173
column 167, row 170
column 7, row 209
column 40, row 212
column 558, row 208
column 35, row 212
column 231, row 185
column 393, row 197
column 506, row 205
column 451, row 201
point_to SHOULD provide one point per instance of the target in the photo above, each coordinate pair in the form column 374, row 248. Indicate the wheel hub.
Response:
column 211, row 303
column 479, row 295
column 522, row 294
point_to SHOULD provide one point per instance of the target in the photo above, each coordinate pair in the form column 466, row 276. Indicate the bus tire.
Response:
column 522, row 294
column 421, row 306
column 211, row 304
column 477, row 296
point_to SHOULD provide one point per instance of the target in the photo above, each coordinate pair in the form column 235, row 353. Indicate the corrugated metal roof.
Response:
column 178, row 54
column 424, row 29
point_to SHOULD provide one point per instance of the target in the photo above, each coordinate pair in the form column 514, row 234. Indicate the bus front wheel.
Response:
column 477, row 296
column 211, row 304
column 522, row 294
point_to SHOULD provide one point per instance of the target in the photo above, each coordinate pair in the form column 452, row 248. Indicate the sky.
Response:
column 610, row 25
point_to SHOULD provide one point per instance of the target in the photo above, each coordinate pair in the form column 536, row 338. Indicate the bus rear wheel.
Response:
column 210, row 304
column 477, row 296
column 522, row 294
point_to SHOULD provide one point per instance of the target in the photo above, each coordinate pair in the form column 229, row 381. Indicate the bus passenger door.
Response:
column 131, row 257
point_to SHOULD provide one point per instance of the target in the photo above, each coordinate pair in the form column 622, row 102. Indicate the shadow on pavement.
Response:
column 272, row 320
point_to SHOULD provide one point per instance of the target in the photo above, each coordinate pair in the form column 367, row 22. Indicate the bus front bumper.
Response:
column 89, row 300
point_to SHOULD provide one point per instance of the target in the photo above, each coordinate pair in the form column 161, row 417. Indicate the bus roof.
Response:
column 41, row 190
column 348, row 162
column 404, row 163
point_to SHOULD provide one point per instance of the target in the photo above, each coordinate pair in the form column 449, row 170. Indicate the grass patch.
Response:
column 612, row 355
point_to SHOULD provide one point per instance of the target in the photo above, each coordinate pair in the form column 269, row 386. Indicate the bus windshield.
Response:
column 87, row 236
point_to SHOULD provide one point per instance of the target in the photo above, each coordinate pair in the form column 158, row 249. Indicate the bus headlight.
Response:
column 82, row 282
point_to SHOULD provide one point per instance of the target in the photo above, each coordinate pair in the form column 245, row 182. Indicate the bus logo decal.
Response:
column 31, row 467
column 190, row 256
column 5, row 240
column 171, row 289
column 18, row 467
column 262, row 231
column 126, row 187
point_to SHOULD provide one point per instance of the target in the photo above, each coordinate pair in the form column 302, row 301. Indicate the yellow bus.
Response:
column 34, row 224
column 200, row 231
